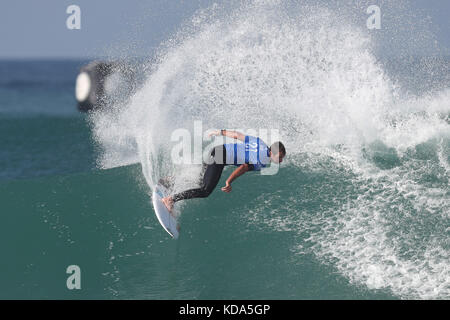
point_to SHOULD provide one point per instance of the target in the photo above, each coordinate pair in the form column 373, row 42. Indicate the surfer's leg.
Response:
column 210, row 180
column 211, row 177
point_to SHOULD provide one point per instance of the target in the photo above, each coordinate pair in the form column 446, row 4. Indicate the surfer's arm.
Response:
column 228, row 133
column 243, row 168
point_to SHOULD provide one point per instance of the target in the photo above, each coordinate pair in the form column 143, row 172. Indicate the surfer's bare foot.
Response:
column 168, row 202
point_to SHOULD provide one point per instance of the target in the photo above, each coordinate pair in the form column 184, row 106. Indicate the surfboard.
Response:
column 167, row 221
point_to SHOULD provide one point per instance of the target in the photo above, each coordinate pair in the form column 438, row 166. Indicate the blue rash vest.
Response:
column 252, row 151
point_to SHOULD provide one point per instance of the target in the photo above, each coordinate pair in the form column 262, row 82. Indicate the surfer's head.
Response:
column 277, row 152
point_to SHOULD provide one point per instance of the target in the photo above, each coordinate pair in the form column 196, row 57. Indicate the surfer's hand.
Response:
column 227, row 187
column 214, row 133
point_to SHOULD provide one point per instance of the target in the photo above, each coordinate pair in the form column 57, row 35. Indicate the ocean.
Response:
column 359, row 210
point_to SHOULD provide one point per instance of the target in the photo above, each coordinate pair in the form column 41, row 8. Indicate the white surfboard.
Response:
column 168, row 222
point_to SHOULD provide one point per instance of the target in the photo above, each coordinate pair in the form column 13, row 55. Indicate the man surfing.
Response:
column 251, row 155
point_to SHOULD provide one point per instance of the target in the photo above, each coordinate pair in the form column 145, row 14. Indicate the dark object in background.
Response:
column 89, row 86
column 103, row 83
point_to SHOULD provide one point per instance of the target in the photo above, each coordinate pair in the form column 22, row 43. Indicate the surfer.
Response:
column 251, row 155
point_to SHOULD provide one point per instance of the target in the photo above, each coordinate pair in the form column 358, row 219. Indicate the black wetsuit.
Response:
column 211, row 177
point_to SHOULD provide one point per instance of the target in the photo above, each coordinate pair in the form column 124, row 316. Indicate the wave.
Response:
column 312, row 74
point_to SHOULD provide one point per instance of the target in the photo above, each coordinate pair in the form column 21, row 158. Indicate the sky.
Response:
column 37, row 29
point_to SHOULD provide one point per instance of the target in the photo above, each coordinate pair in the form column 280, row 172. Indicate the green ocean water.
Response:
column 103, row 222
